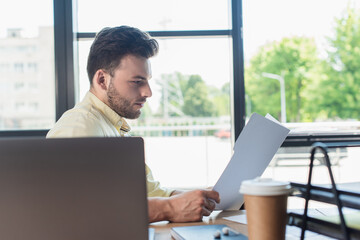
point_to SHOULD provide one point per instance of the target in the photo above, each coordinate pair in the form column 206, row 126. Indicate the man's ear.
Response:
column 101, row 79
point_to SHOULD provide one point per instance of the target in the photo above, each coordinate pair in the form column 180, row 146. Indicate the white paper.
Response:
column 253, row 151
column 241, row 218
column 268, row 116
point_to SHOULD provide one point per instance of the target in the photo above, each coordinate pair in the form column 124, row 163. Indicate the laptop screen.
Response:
column 74, row 188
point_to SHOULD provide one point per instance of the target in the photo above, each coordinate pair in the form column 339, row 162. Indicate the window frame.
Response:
column 238, row 105
column 66, row 37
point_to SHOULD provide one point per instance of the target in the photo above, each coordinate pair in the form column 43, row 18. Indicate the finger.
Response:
column 209, row 204
column 206, row 212
column 213, row 195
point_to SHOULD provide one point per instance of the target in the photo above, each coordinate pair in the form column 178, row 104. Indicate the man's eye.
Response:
column 137, row 82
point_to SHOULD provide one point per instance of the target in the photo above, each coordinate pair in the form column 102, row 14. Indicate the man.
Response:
column 119, row 72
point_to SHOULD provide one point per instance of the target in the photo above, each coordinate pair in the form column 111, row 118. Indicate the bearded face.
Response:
column 128, row 86
column 127, row 108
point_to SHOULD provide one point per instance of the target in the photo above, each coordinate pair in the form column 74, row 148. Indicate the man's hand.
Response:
column 183, row 206
column 191, row 206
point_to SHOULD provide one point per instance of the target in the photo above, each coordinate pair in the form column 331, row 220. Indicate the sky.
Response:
column 267, row 21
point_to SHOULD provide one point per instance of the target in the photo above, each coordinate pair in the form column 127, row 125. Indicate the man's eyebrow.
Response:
column 139, row 77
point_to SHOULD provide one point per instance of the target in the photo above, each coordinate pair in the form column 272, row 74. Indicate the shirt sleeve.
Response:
column 154, row 188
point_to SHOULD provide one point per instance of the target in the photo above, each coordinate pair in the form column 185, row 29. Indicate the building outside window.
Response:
column 27, row 55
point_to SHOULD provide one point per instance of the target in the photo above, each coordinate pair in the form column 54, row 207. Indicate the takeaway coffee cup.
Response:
column 265, row 204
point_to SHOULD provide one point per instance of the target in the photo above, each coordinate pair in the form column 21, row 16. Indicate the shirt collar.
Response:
column 118, row 121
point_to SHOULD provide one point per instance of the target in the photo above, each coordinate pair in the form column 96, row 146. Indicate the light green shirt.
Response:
column 93, row 118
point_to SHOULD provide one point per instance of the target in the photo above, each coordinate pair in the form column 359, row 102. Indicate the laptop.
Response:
column 73, row 188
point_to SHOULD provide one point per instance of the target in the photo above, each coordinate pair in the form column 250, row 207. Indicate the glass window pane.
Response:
column 155, row 15
column 186, row 123
column 302, row 63
column 27, row 92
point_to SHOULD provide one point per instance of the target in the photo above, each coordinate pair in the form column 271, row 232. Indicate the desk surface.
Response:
column 162, row 229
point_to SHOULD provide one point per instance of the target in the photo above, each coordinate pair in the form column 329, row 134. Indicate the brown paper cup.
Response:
column 265, row 206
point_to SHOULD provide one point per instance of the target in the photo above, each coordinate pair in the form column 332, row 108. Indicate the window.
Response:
column 298, row 66
column 294, row 65
column 26, row 48
column 19, row 106
column 19, row 85
column 4, row 67
column 191, row 86
column 32, row 67
column 19, row 67
column 302, row 66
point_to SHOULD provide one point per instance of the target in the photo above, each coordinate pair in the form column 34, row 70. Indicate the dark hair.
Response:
column 112, row 44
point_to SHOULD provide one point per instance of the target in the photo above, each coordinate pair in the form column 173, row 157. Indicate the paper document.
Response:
column 240, row 218
column 255, row 147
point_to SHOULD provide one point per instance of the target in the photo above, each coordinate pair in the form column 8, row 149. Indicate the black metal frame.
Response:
column 323, row 148
column 238, row 68
column 169, row 34
column 64, row 56
column 309, row 139
column 66, row 36
column 330, row 195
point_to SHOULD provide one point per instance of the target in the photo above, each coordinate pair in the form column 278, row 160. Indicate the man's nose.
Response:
column 146, row 91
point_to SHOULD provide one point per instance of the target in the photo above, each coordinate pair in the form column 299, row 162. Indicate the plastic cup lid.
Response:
column 265, row 187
